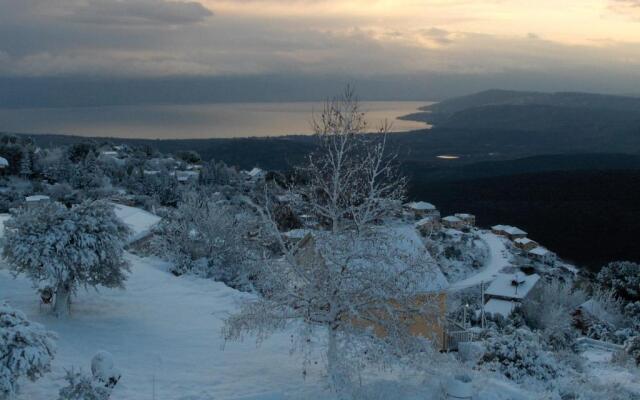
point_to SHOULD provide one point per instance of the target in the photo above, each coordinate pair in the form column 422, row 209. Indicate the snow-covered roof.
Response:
column 403, row 242
column 110, row 153
column 421, row 206
column 3, row 162
column 150, row 172
column 287, row 197
column 512, row 230
column 183, row 176
column 512, row 286
column 498, row 306
column 255, row 172
column 464, row 215
column 523, row 241
column 540, row 251
column 595, row 309
column 426, row 221
column 138, row 220
column 451, row 218
column 297, row 234
column 37, row 197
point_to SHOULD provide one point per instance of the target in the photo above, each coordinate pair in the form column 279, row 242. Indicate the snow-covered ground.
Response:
column 600, row 369
column 164, row 329
column 138, row 220
column 497, row 260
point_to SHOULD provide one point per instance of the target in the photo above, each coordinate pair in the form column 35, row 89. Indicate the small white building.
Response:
column 469, row 219
column 3, row 163
column 421, row 209
column 453, row 222
column 542, row 255
column 296, row 235
column 509, row 231
column 525, row 244
column 507, row 291
column 187, row 176
column 255, row 174
column 36, row 200
column 428, row 225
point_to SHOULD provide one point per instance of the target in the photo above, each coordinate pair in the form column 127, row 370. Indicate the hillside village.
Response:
column 344, row 303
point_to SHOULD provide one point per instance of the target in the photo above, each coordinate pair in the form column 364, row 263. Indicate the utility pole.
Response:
column 482, row 321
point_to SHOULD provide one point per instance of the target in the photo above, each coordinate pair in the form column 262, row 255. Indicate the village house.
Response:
column 542, row 255
column 296, row 235
column 453, row 222
column 36, row 200
column 255, row 174
column 469, row 219
column 186, row 176
column 428, row 225
column 421, row 209
column 507, row 291
column 525, row 244
column 4, row 164
column 509, row 231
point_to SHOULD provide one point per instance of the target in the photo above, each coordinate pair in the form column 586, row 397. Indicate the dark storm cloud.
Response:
column 140, row 12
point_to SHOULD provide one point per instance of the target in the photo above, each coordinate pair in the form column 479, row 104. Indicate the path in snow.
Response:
column 166, row 327
column 600, row 369
column 497, row 260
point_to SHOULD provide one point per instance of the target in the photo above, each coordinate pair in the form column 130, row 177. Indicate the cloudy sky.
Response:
column 132, row 39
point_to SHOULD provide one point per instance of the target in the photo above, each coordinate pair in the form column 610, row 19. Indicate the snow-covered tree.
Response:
column 207, row 237
column 550, row 310
column 352, row 177
column 26, row 350
column 81, row 386
column 623, row 277
column 25, row 164
column 519, row 355
column 632, row 347
column 363, row 291
column 67, row 248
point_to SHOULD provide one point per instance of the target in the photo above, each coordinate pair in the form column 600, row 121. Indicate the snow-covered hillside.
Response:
column 165, row 330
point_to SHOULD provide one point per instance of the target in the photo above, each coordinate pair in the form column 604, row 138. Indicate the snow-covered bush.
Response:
column 81, row 386
column 26, row 350
column 458, row 256
column 519, row 355
column 208, row 238
column 67, row 248
column 632, row 347
column 550, row 310
column 623, row 277
column 632, row 315
column 104, row 370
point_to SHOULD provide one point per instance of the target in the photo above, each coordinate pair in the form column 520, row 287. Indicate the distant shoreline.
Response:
column 194, row 121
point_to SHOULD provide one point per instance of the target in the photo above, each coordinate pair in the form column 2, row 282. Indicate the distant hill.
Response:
column 516, row 124
column 515, row 98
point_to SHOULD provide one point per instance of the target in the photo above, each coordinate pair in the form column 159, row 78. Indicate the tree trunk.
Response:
column 336, row 378
column 62, row 303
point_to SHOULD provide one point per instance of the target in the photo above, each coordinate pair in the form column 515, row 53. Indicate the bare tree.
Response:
column 363, row 285
column 352, row 176
column 364, row 288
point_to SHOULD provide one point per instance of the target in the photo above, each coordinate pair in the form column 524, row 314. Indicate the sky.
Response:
column 597, row 40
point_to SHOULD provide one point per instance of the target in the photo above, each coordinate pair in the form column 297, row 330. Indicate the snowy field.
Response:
column 164, row 334
column 164, row 329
